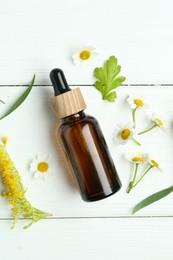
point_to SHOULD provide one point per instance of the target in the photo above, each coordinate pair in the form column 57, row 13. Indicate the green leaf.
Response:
column 20, row 100
column 153, row 198
column 110, row 67
column 100, row 74
column 107, row 80
column 98, row 85
column 117, row 82
column 110, row 97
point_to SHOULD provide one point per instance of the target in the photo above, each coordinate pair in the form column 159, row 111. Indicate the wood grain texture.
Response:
column 37, row 36
column 68, row 103
column 93, row 239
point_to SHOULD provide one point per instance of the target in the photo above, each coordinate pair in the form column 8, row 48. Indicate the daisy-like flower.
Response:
column 123, row 133
column 135, row 102
column 139, row 158
column 41, row 166
column 85, row 56
column 158, row 122
column 153, row 163
column 136, row 158
column 157, row 119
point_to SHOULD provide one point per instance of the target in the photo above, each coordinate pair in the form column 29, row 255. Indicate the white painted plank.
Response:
column 37, row 36
column 94, row 239
column 31, row 130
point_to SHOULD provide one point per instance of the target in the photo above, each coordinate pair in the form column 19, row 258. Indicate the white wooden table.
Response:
column 37, row 36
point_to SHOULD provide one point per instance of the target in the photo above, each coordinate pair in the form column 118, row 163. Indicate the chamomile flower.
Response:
column 140, row 158
column 41, row 166
column 85, row 56
column 152, row 162
column 123, row 133
column 135, row 102
column 157, row 122
column 137, row 157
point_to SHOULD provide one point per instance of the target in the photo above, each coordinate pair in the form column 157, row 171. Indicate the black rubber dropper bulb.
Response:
column 59, row 82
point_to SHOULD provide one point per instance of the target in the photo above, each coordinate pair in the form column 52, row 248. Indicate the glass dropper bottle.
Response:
column 83, row 142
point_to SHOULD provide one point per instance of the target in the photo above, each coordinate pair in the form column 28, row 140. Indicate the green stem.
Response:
column 147, row 130
column 136, row 142
column 134, row 178
column 149, row 168
column 134, row 116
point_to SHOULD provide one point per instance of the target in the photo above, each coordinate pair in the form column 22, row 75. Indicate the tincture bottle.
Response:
column 83, row 142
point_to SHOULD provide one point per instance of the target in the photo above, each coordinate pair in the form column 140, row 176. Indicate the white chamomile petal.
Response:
column 33, row 165
column 136, row 101
column 36, row 175
column 137, row 157
column 85, row 56
column 123, row 133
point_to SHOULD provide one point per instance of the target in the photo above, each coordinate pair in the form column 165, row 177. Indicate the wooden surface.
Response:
column 37, row 36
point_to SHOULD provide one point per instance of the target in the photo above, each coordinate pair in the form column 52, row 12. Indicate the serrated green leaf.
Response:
column 20, row 100
column 100, row 75
column 110, row 97
column 98, row 85
column 107, row 78
column 110, row 67
column 116, row 72
column 151, row 199
column 117, row 82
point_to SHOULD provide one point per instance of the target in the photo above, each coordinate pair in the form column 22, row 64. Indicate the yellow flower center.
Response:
column 138, row 102
column 158, row 121
column 85, row 55
column 125, row 133
column 154, row 163
column 43, row 167
column 138, row 159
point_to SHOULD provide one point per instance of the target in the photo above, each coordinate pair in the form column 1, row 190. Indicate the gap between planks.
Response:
column 85, row 218
column 90, row 85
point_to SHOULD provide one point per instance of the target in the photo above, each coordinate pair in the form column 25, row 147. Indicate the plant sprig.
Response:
column 20, row 100
column 108, row 80
column 151, row 199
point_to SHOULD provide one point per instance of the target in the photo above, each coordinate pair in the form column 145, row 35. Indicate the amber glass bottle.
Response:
column 83, row 143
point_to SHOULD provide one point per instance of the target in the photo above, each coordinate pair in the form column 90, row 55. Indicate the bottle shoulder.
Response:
column 86, row 120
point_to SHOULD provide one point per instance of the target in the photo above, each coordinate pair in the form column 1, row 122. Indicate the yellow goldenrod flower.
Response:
column 5, row 139
column 15, row 191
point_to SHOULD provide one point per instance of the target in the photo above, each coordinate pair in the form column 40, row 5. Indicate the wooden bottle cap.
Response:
column 68, row 103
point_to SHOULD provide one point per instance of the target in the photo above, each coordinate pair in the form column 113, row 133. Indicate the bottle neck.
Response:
column 73, row 118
